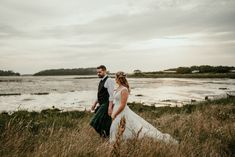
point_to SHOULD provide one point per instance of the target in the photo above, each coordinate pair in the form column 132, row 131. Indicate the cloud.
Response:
column 85, row 33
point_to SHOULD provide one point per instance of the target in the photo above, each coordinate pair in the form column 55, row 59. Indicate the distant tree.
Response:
column 205, row 69
column 8, row 73
column 194, row 68
column 183, row 70
column 222, row 69
column 214, row 69
column 137, row 71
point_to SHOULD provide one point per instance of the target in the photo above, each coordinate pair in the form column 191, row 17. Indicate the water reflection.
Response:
column 78, row 92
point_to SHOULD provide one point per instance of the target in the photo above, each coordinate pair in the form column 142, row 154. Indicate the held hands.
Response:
column 113, row 116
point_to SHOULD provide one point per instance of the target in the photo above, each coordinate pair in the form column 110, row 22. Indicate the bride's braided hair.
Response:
column 121, row 77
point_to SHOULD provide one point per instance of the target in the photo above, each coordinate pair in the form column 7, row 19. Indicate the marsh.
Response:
column 78, row 92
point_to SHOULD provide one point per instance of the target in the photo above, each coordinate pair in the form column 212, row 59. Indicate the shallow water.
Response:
column 75, row 93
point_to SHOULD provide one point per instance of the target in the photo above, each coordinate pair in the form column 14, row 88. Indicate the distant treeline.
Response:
column 197, row 69
column 75, row 71
column 8, row 73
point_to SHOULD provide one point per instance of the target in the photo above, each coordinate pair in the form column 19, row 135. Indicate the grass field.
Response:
column 205, row 129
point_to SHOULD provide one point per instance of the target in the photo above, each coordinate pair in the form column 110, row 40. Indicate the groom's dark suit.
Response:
column 102, row 94
column 101, row 121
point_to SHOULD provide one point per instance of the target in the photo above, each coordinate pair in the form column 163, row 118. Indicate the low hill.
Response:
column 198, row 69
column 75, row 71
column 202, row 71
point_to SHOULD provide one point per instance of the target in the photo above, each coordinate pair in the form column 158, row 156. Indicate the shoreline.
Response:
column 133, row 105
column 32, row 107
column 143, row 75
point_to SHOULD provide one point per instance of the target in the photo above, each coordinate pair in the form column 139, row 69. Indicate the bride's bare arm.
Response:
column 124, row 96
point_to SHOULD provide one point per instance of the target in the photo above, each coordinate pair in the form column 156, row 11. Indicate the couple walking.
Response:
column 113, row 106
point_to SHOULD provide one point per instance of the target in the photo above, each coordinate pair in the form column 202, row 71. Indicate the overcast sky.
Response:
column 124, row 35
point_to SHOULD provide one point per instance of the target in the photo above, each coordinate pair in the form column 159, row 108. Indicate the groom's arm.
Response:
column 110, row 84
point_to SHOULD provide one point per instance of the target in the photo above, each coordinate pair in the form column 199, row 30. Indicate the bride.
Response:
column 134, row 123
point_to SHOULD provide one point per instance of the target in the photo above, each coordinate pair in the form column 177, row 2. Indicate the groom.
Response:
column 102, row 120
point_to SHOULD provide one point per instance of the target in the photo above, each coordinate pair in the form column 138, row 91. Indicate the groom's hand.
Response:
column 93, row 107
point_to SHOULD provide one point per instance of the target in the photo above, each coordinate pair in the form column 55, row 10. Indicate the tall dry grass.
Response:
column 206, row 129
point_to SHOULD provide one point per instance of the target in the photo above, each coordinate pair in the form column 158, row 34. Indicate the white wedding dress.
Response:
column 134, row 123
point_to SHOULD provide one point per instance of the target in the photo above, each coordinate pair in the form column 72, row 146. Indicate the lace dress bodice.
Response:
column 117, row 99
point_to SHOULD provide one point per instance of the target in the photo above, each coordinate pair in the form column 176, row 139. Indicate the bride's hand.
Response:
column 113, row 116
